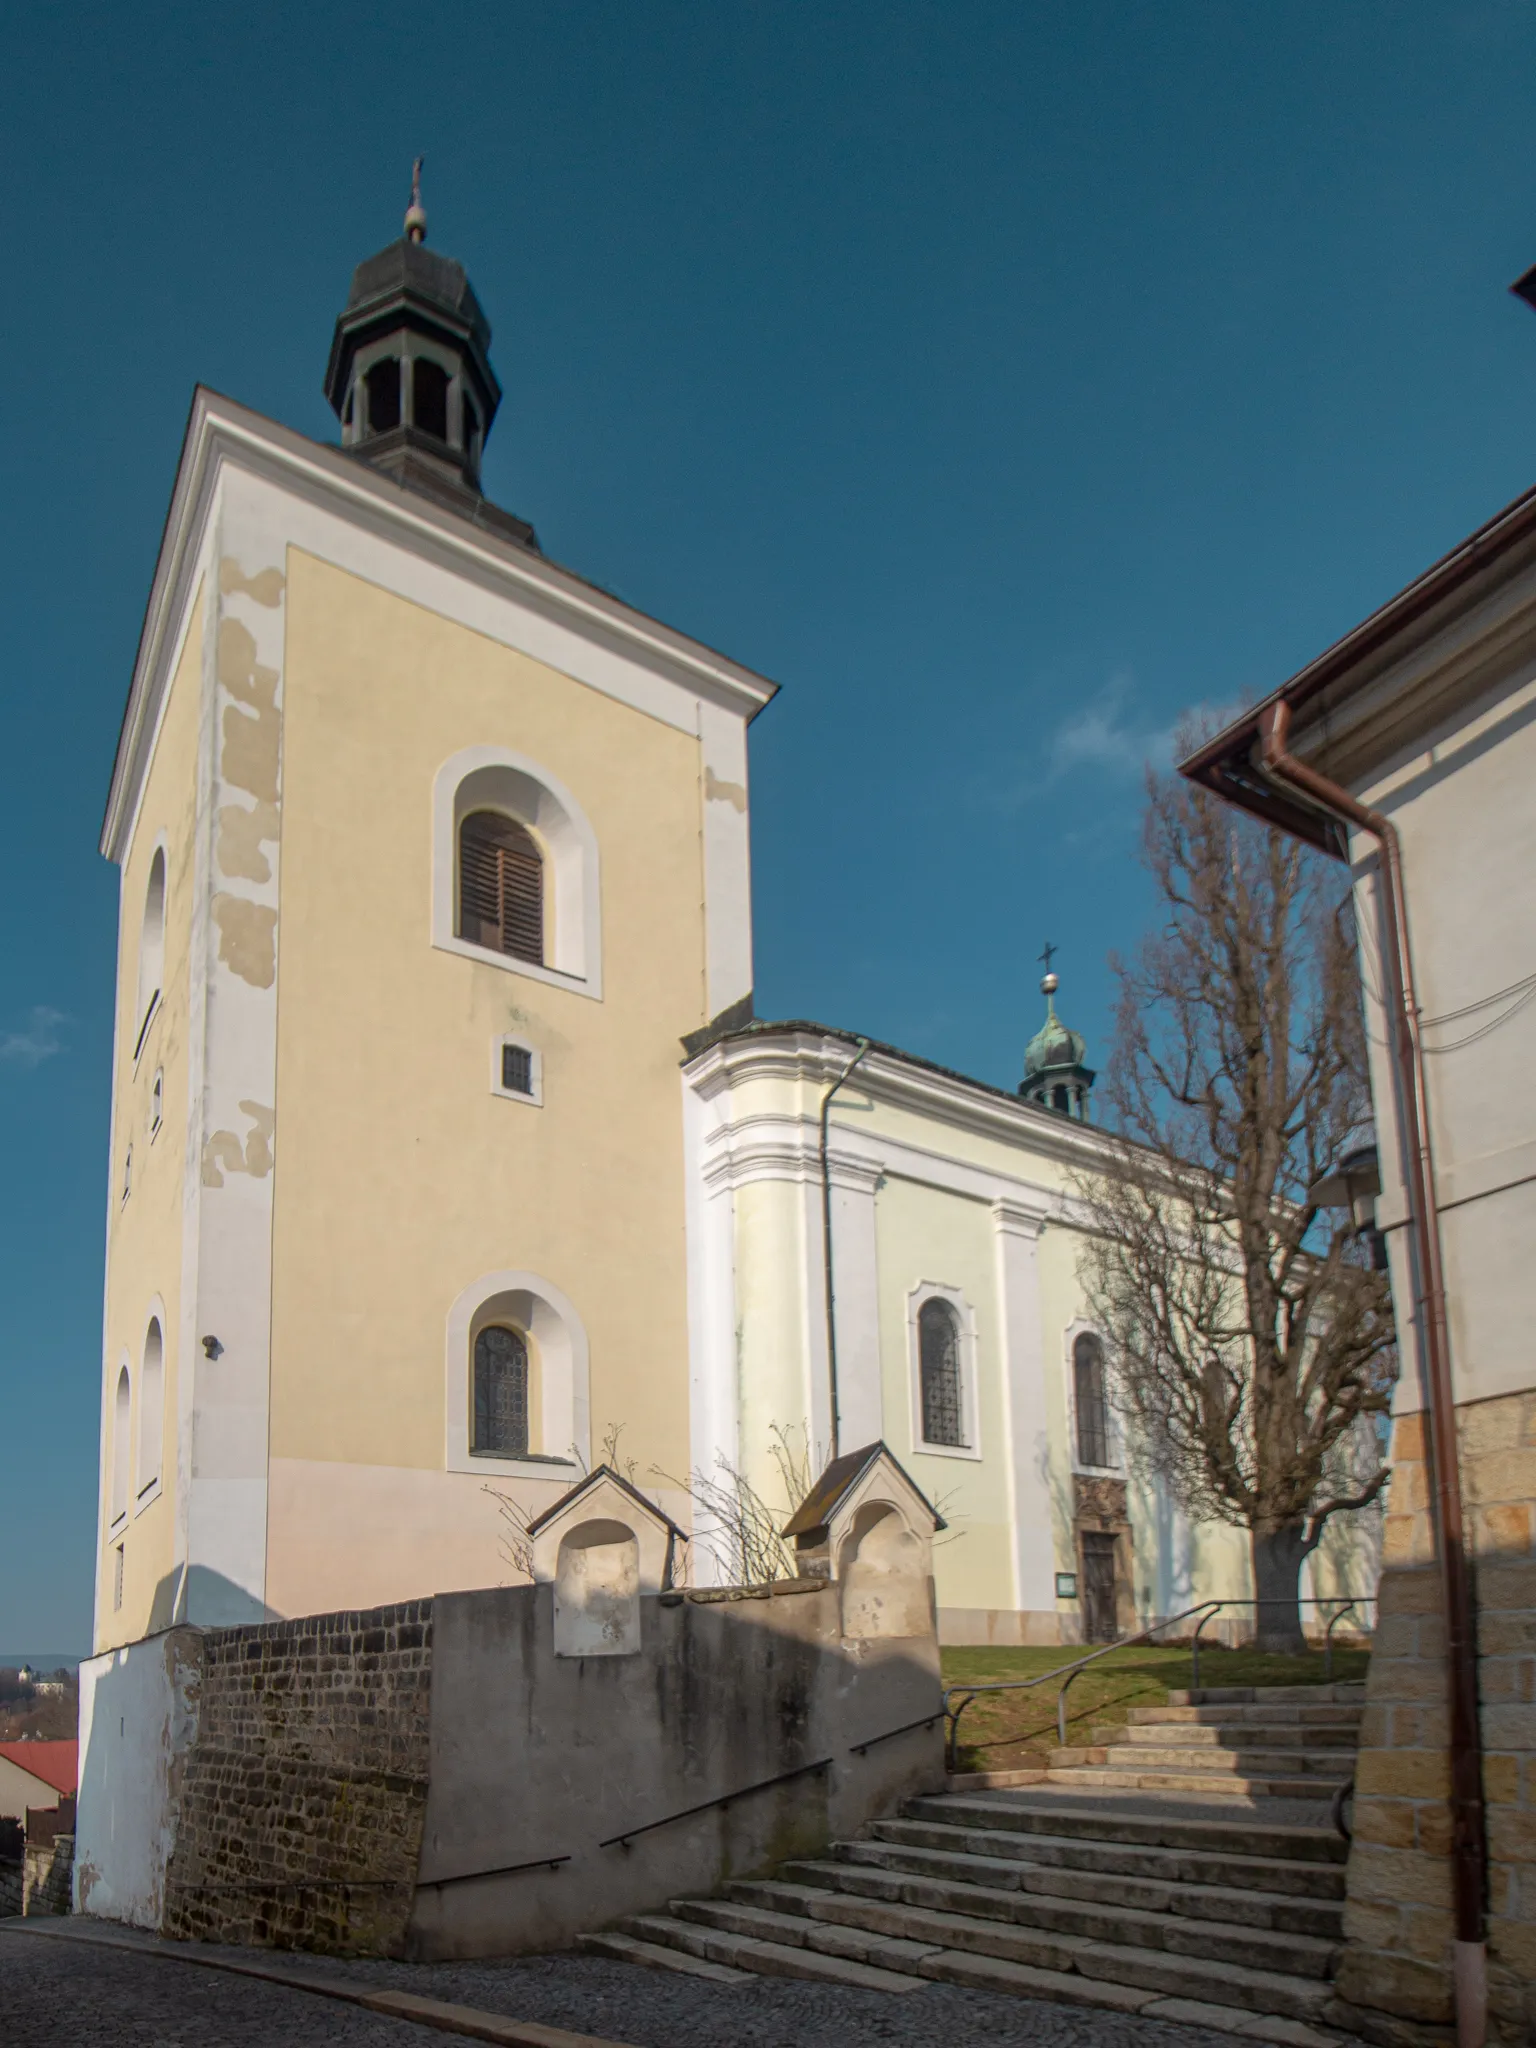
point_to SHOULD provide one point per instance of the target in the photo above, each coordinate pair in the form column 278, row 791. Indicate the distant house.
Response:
column 36, row 1774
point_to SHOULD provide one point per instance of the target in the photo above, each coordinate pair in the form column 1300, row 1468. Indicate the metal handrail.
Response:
column 721, row 1799
column 965, row 1694
column 1065, row 1672
column 1348, row 1601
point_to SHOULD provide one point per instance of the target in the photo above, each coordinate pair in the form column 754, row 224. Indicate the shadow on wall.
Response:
column 203, row 1598
column 499, row 1772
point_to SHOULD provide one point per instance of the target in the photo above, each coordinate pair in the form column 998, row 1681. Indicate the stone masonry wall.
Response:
column 300, row 1813
column 1396, row 1974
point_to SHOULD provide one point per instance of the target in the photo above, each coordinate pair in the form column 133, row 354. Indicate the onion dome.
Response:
column 1055, row 1072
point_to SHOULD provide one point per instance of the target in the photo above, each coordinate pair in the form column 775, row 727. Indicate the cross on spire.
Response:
column 1047, row 956
column 416, row 213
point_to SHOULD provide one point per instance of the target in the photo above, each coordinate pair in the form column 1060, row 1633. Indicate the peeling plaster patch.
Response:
column 251, row 745
column 732, row 793
column 240, row 835
column 252, row 1155
column 247, row 939
column 266, row 586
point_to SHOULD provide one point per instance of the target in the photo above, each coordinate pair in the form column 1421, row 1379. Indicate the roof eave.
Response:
column 1229, row 763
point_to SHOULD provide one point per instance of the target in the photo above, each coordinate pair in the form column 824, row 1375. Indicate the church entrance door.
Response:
column 1098, row 1586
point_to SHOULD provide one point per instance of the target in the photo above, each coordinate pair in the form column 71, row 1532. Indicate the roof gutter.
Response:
column 1294, row 781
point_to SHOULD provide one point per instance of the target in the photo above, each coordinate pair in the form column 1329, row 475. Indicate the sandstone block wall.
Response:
column 1396, row 1972
column 46, row 1876
column 299, row 1814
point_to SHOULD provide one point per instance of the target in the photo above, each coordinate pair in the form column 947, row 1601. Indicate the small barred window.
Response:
column 517, row 1069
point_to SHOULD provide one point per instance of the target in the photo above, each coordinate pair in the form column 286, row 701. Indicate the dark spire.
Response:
column 410, row 374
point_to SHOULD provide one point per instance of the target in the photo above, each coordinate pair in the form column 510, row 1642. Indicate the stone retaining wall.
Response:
column 1396, row 1972
column 299, row 1815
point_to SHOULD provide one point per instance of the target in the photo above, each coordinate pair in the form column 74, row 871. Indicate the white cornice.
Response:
column 221, row 433
column 818, row 1058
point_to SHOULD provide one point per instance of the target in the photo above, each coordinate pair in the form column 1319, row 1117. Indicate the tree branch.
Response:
column 1335, row 1507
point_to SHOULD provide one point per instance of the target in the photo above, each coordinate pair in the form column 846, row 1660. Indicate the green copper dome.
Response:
column 1055, row 1074
column 1053, row 1045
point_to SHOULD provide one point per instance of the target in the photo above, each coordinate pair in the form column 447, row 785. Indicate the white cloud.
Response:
column 39, row 1039
column 1105, row 735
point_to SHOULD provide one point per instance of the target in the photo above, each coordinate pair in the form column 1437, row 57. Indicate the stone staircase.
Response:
column 1275, row 1742
column 1170, row 1885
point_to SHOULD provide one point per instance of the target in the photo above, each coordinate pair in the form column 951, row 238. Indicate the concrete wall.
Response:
column 438, row 1779
column 138, row 1720
column 727, row 1690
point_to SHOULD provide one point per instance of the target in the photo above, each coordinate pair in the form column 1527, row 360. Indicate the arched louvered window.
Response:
column 938, row 1358
column 501, row 1393
column 501, row 886
column 1090, row 1401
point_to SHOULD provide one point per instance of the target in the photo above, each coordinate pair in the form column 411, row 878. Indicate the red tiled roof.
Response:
column 56, row 1763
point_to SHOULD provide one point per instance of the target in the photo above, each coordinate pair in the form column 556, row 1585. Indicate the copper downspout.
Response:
column 1468, row 1839
column 826, row 1248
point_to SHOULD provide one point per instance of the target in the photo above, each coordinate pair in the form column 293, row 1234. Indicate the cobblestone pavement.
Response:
column 57, row 1990
column 56, row 1993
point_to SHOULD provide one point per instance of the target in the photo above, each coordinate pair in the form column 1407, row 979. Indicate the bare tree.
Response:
column 1249, row 1332
column 734, row 1522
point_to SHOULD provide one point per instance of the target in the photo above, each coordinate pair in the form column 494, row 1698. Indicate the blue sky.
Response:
column 1002, row 379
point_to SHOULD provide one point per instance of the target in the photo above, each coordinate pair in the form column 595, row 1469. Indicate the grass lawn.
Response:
column 999, row 1731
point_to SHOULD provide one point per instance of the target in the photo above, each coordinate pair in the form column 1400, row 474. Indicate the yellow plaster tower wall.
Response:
column 401, row 1176
column 145, row 1230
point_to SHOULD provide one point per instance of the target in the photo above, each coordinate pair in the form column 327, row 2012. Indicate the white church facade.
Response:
column 445, row 1143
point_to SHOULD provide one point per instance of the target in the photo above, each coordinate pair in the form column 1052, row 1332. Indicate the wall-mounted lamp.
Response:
column 1354, row 1185
column 212, row 1348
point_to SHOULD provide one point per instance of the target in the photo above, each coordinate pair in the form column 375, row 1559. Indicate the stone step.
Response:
column 1241, row 1715
column 1249, row 1760
column 864, row 1868
column 756, row 1911
column 1242, row 1735
column 765, row 1958
column 1171, row 1972
column 1251, row 1836
column 1104, row 1778
column 1234, row 1905
column 1269, row 1695
column 625, row 1948
column 1230, row 1869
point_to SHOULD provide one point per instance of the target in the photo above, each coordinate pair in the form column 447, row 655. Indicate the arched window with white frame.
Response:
column 515, row 870
column 151, row 1410
column 517, row 1379
column 122, row 1406
column 151, row 948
